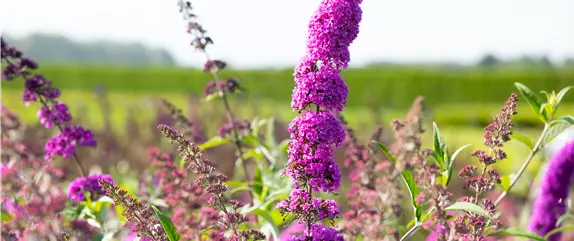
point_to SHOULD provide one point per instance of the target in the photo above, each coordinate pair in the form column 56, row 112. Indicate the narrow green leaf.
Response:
column 422, row 219
column 252, row 140
column 564, row 218
column 567, row 119
column 407, row 178
column 455, row 154
column 561, row 94
column 439, row 147
column 234, row 183
column 258, row 182
column 514, row 232
column 533, row 99
column 240, row 189
column 556, row 127
column 5, row 217
column 270, row 134
column 524, row 139
column 386, row 152
column 213, row 142
column 413, row 190
column 558, row 230
column 167, row 225
column 469, row 207
column 450, row 163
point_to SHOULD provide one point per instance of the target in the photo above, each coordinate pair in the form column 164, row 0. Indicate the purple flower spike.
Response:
column 316, row 133
column 551, row 201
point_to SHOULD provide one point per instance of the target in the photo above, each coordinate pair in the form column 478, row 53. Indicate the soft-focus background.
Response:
column 114, row 59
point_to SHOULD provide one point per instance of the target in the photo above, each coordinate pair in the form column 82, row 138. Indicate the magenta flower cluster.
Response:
column 550, row 203
column 89, row 185
column 53, row 112
column 311, row 150
column 64, row 143
column 319, row 92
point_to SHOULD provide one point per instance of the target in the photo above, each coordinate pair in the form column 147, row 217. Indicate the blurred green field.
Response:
column 387, row 87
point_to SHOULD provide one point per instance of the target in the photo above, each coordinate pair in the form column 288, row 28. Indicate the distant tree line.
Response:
column 57, row 48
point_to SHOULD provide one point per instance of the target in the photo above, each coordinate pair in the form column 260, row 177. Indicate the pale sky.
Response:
column 261, row 33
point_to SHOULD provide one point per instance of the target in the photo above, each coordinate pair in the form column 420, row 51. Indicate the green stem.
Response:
column 535, row 150
column 411, row 231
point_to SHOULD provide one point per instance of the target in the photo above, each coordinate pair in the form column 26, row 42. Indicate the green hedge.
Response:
column 389, row 87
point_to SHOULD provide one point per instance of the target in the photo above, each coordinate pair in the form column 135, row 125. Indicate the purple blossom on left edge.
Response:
column 38, row 88
column 550, row 203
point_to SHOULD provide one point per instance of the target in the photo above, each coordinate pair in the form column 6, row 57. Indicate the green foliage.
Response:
column 558, row 230
column 441, row 156
column 469, row 207
column 167, row 225
column 5, row 217
column 556, row 127
column 514, row 232
column 524, row 139
column 409, row 181
column 213, row 142
column 535, row 101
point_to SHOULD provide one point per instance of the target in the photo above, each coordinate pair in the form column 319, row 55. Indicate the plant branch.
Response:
column 411, row 231
column 535, row 150
column 230, row 118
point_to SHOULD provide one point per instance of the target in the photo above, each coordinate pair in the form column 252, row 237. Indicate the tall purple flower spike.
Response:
column 319, row 91
column 551, row 201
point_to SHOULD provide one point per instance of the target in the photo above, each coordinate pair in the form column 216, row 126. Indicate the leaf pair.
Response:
column 544, row 109
column 441, row 156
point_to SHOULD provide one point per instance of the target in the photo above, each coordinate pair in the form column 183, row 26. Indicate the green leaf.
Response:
column 439, row 147
column 265, row 215
column 252, row 140
column 407, row 178
column 167, row 225
column 533, row 99
column 561, row 95
column 556, row 127
column 514, row 232
column 450, row 163
column 469, row 207
column 455, row 154
column 524, row 139
column 505, row 182
column 422, row 220
column 5, row 217
column 386, row 152
column 234, row 183
column 213, row 142
column 567, row 119
column 258, row 182
column 558, row 230
column 119, row 212
column 270, row 134
column 564, row 218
